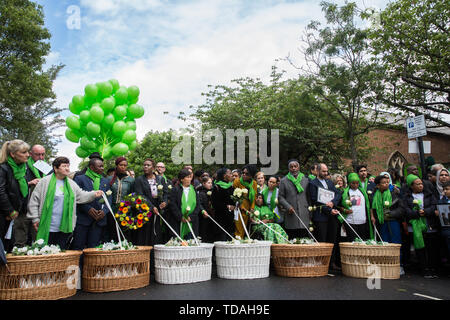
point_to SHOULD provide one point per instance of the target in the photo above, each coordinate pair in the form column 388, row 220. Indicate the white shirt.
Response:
column 324, row 183
column 58, row 206
column 186, row 192
column 358, row 207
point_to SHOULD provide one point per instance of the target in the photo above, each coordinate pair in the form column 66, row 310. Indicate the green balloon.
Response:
column 133, row 111
column 78, row 101
column 121, row 95
column 87, row 144
column 72, row 135
column 80, row 152
column 108, row 104
column 93, row 129
column 97, row 114
column 91, row 91
column 120, row 149
column 133, row 101
column 133, row 92
column 115, row 84
column 85, row 116
column 76, row 108
column 108, row 121
column 120, row 112
column 133, row 145
column 119, row 128
column 107, row 152
column 73, row 122
column 131, row 124
column 88, row 101
column 105, row 88
column 129, row 136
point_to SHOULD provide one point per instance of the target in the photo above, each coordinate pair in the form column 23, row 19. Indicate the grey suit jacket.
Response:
column 288, row 197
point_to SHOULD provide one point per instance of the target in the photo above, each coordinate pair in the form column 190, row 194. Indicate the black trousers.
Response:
column 327, row 231
column 59, row 238
column 429, row 256
column 297, row 233
column 361, row 229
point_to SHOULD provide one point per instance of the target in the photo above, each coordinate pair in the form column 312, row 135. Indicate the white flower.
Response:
column 170, row 187
column 369, row 192
column 415, row 201
column 337, row 186
column 188, row 208
column 209, row 193
column 256, row 213
column 108, row 193
column 238, row 238
column 29, row 252
column 310, row 208
column 348, row 202
column 276, row 200
column 386, row 203
column 311, row 229
column 40, row 242
column 160, row 187
column 244, row 191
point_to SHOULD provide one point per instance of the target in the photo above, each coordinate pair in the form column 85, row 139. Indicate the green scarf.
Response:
column 260, row 190
column 19, row 172
column 33, row 169
column 366, row 183
column 345, row 197
column 311, row 176
column 223, row 184
column 190, row 202
column 251, row 191
column 419, row 226
column 95, row 177
column 264, row 212
column 47, row 210
column 378, row 203
column 296, row 181
column 265, row 194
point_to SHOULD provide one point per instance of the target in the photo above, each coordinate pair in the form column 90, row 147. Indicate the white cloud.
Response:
column 172, row 51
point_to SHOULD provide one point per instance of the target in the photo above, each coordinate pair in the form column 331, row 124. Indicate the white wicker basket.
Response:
column 243, row 261
column 177, row 265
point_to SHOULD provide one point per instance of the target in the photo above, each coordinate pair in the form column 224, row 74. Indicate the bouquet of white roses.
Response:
column 38, row 248
column 111, row 246
column 175, row 242
column 239, row 195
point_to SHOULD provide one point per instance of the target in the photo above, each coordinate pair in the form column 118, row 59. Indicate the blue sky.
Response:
column 172, row 50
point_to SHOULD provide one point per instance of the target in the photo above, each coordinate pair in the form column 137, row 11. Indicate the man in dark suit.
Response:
column 325, row 215
column 91, row 217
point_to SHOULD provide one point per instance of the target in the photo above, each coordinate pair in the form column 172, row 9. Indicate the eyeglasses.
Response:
column 160, row 167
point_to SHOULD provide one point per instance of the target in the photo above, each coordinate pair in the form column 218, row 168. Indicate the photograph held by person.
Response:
column 325, row 219
column 53, row 204
column 92, row 216
column 246, row 181
column 14, row 192
column 121, row 184
column 153, row 188
column 222, row 203
column 184, row 206
column 355, row 208
column 293, row 197
column 420, row 205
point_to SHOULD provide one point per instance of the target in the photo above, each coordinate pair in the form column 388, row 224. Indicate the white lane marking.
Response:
column 424, row 296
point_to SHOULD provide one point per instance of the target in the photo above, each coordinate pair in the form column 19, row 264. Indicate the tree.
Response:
column 27, row 101
column 340, row 74
column 413, row 43
column 305, row 134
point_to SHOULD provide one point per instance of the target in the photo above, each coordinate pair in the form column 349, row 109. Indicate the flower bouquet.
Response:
column 239, row 195
column 115, row 267
column 133, row 212
column 39, row 272
column 183, row 261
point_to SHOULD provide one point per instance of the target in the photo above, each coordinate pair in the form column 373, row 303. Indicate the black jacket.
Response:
column 323, row 213
column 205, row 200
column 220, row 199
column 429, row 206
column 10, row 196
column 142, row 187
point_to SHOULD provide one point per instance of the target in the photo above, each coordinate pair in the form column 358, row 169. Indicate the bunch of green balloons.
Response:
column 103, row 119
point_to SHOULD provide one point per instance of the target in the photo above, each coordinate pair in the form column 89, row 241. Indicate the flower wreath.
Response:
column 133, row 212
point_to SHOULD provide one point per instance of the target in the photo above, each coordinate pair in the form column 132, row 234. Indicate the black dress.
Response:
column 207, row 229
column 220, row 199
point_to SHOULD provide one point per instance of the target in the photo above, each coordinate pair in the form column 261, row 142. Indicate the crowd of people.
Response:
column 67, row 208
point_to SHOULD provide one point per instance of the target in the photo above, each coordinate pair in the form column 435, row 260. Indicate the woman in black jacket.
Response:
column 207, row 228
column 420, row 205
column 222, row 203
column 14, row 189
column 184, row 211
column 153, row 188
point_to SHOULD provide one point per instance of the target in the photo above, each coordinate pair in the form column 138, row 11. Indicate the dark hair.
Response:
column 237, row 170
column 152, row 161
column 110, row 170
column 359, row 167
column 446, row 185
column 205, row 179
column 93, row 161
column 277, row 178
column 198, row 173
column 183, row 174
column 58, row 161
column 259, row 195
column 95, row 155
column 221, row 173
column 379, row 178
column 313, row 166
column 251, row 168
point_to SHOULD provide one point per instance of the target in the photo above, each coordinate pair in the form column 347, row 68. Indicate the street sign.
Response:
column 413, row 146
column 416, row 127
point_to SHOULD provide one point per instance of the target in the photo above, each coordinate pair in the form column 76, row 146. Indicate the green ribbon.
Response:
column 47, row 210
column 251, row 191
column 190, row 202
column 95, row 177
column 223, row 184
column 296, row 181
column 33, row 169
column 265, row 194
column 19, row 172
column 378, row 203
column 311, row 176
column 419, row 226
